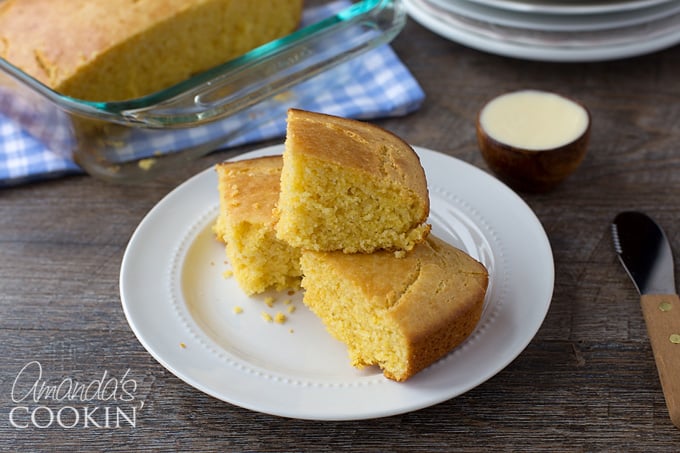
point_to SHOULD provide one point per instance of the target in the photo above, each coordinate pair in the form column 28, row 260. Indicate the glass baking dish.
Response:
column 136, row 139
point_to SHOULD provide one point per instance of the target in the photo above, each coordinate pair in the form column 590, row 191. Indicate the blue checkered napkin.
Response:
column 374, row 85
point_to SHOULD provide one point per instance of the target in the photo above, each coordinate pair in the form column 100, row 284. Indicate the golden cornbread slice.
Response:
column 108, row 50
column 401, row 314
column 349, row 185
column 248, row 192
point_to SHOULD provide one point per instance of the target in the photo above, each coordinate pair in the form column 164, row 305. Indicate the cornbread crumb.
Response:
column 228, row 273
column 291, row 292
column 280, row 318
column 269, row 301
column 266, row 316
column 182, row 345
column 399, row 253
column 238, row 310
column 146, row 164
column 283, row 96
column 291, row 309
column 290, row 331
column 288, row 301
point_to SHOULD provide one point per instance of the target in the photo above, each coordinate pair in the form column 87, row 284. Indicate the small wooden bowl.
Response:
column 534, row 169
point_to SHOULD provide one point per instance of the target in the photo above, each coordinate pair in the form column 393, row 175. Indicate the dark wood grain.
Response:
column 587, row 381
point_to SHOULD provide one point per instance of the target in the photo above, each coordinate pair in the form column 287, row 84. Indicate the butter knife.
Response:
column 645, row 253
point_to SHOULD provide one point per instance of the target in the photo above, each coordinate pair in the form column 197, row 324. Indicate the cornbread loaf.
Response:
column 248, row 191
column 402, row 314
column 105, row 50
column 349, row 185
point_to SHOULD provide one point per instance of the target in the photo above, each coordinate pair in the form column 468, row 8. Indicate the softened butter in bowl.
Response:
column 533, row 139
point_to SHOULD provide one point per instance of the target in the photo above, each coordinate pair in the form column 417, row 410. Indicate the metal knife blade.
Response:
column 645, row 253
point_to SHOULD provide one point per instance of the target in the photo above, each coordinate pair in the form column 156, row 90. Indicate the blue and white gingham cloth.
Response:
column 374, row 85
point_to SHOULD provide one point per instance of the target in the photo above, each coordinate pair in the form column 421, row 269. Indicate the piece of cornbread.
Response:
column 111, row 50
column 349, row 185
column 248, row 191
column 402, row 314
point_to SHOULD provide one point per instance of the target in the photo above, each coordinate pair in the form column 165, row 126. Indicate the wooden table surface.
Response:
column 587, row 381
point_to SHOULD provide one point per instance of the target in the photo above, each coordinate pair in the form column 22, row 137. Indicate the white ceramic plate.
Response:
column 558, row 22
column 598, row 45
column 181, row 307
column 571, row 6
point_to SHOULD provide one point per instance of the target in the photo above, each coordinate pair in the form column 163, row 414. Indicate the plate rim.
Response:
column 547, row 53
column 561, row 23
column 567, row 8
column 426, row 398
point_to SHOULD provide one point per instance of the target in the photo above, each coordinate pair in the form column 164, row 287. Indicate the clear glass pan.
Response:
column 134, row 140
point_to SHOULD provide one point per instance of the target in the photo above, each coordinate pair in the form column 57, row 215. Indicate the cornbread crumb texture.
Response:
column 104, row 50
column 269, row 301
column 402, row 314
column 146, row 164
column 278, row 318
column 248, row 192
column 349, row 185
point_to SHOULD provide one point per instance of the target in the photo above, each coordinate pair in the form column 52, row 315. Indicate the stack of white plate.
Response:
column 554, row 30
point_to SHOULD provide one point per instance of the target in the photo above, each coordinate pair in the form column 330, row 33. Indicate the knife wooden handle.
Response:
column 662, row 316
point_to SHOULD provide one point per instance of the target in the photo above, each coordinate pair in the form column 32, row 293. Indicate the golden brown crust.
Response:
column 255, row 183
column 433, row 330
column 114, row 50
column 358, row 145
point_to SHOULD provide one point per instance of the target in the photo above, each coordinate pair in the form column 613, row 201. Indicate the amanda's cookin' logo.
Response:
column 106, row 402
